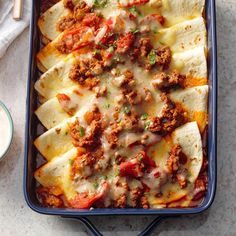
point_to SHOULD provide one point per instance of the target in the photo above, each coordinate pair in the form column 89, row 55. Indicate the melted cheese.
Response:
column 184, row 32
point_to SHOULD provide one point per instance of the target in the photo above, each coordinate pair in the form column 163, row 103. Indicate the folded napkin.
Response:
column 9, row 28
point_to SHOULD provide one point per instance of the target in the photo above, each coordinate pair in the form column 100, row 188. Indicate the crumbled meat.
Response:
column 144, row 202
column 140, row 52
column 101, row 91
column 82, row 165
column 92, row 20
column 74, row 39
column 175, row 163
column 80, row 9
column 148, row 95
column 133, row 98
column 145, row 46
column 49, row 198
column 181, row 177
column 131, row 121
column 124, row 43
column 175, row 159
column 65, row 23
column 120, row 202
column 135, row 195
column 165, row 82
column 172, row 116
column 85, row 72
column 90, row 140
column 112, row 136
column 163, row 57
column 94, row 114
column 69, row 4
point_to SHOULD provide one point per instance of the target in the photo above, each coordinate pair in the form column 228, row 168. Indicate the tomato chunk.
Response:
column 83, row 201
column 131, row 169
column 136, row 167
column 124, row 43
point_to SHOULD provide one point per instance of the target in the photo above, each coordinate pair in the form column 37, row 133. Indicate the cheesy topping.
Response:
column 124, row 102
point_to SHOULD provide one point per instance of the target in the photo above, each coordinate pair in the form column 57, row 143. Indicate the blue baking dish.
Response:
column 32, row 124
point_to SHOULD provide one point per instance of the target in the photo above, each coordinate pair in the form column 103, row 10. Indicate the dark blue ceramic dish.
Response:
column 32, row 123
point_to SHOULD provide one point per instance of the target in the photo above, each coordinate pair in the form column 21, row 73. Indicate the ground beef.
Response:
column 135, row 195
column 140, row 52
column 181, row 177
column 85, row 71
column 175, row 163
column 112, row 136
column 120, row 202
column 173, row 159
column 165, row 82
column 80, row 10
column 144, row 202
column 148, row 95
column 65, row 23
column 171, row 117
column 94, row 114
column 133, row 97
column 91, row 140
column 163, row 57
column 49, row 198
column 82, row 165
column 124, row 43
column 69, row 4
column 145, row 46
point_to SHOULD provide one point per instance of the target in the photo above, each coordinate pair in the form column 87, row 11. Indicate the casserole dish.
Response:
column 31, row 132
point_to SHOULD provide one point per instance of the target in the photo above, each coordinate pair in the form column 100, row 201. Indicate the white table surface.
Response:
column 17, row 219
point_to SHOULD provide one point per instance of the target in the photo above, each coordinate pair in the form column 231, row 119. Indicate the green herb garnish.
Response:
column 95, row 184
column 111, row 49
column 147, row 124
column 126, row 109
column 100, row 3
column 135, row 11
column 71, row 162
column 117, row 172
column 152, row 57
column 134, row 31
column 81, row 131
column 107, row 106
column 144, row 116
column 97, row 52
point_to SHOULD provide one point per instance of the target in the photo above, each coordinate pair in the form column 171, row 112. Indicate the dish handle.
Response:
column 95, row 232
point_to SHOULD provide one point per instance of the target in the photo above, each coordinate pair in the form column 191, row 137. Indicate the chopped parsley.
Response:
column 100, row 3
column 135, row 11
column 152, row 57
column 135, row 31
column 155, row 31
column 97, row 52
column 126, row 109
column 117, row 172
column 144, row 116
column 95, row 184
column 111, row 49
column 71, row 162
column 147, row 124
column 81, row 131
column 107, row 105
